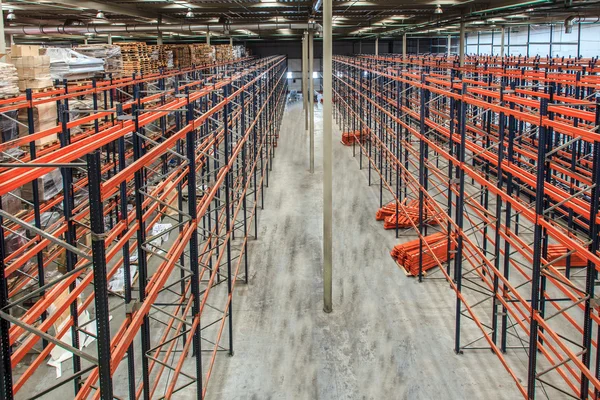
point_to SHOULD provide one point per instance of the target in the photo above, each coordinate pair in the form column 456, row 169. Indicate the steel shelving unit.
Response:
column 188, row 151
column 503, row 155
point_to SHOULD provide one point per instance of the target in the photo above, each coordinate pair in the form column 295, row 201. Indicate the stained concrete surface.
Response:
column 389, row 337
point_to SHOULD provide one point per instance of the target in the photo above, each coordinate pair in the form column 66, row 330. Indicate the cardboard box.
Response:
column 31, row 62
column 36, row 83
column 24, row 50
column 28, row 73
column 44, row 117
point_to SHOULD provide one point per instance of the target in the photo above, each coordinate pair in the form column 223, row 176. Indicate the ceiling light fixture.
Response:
column 438, row 10
column 100, row 15
column 189, row 13
column 11, row 15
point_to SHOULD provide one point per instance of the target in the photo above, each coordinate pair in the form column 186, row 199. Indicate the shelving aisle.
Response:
column 388, row 337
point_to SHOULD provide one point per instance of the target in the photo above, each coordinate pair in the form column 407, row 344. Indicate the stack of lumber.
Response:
column 223, row 52
column 558, row 250
column 158, row 56
column 407, row 216
column 349, row 138
column 406, row 254
column 9, row 81
column 110, row 53
column 201, row 53
column 136, row 58
column 181, row 55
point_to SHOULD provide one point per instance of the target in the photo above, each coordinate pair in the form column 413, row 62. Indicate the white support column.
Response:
column 2, row 37
column 376, row 46
column 231, row 41
column 159, row 38
column 404, row 45
column 85, row 41
column 311, row 94
column 109, row 38
column 305, row 78
column 449, row 45
column 208, row 37
column 502, row 42
column 461, row 50
column 327, row 158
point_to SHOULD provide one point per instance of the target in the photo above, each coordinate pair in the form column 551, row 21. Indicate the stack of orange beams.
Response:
column 405, row 218
column 349, row 138
column 558, row 250
column 406, row 254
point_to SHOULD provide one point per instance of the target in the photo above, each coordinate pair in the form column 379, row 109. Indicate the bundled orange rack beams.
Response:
column 405, row 218
column 556, row 251
column 349, row 138
column 387, row 210
column 406, row 254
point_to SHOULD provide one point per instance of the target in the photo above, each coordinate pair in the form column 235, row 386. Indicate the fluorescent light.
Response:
column 289, row 75
column 315, row 74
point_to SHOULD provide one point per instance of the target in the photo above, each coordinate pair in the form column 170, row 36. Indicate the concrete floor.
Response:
column 389, row 337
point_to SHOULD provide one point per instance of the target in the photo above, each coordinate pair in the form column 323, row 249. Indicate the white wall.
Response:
column 540, row 40
column 295, row 67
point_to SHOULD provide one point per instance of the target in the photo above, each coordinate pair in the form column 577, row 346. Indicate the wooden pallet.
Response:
column 43, row 90
column 407, row 272
column 45, row 145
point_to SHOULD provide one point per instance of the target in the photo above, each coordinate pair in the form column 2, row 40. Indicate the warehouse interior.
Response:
column 263, row 199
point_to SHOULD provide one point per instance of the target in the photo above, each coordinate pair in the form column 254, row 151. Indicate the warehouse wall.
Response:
column 293, row 50
column 540, row 40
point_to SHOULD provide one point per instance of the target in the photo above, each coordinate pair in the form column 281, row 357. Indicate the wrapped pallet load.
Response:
column 33, row 69
column 239, row 51
column 71, row 65
column 49, row 185
column 8, row 132
column 9, row 81
column 109, row 53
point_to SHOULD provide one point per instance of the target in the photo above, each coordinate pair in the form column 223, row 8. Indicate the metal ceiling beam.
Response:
column 117, row 9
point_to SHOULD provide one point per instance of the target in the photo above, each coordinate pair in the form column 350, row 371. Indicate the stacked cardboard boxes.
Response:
column 33, row 69
column 44, row 117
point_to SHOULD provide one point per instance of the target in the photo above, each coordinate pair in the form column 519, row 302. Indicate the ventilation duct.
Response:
column 149, row 28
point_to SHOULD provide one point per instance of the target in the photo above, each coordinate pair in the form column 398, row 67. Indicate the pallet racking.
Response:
column 186, row 150
column 504, row 153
